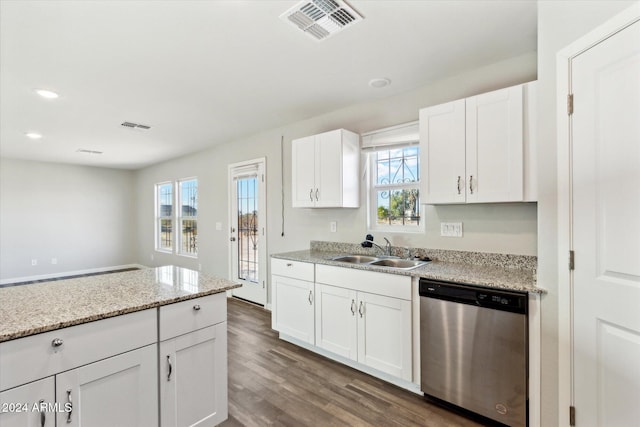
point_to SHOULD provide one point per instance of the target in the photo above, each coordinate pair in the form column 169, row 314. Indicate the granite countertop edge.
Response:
column 21, row 328
column 495, row 277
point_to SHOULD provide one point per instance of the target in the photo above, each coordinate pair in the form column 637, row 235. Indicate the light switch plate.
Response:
column 451, row 229
column 333, row 225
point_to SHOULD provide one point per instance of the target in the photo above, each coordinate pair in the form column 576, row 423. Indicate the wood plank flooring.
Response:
column 272, row 382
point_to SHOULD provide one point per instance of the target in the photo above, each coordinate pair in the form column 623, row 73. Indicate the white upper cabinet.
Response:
column 325, row 170
column 479, row 149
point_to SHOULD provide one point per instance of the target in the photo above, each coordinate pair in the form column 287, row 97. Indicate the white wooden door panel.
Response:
column 606, row 230
column 328, row 180
column 294, row 308
column 442, row 153
column 303, row 172
column 22, row 406
column 384, row 334
column 494, row 146
column 193, row 378
column 336, row 327
column 120, row 390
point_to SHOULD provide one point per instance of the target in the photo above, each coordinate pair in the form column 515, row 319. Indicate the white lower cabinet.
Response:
column 28, row 405
column 193, row 378
column 293, row 299
column 193, row 362
column 120, row 390
column 374, row 330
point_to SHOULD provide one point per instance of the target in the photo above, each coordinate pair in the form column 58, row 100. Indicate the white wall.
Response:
column 504, row 228
column 559, row 24
column 83, row 216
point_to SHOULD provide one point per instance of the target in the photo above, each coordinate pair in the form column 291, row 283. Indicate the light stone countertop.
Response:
column 496, row 277
column 41, row 307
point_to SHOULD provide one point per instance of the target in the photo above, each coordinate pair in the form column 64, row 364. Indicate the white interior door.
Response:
column 605, row 158
column 248, row 231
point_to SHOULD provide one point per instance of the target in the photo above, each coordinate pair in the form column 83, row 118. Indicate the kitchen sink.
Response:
column 403, row 264
column 355, row 259
column 381, row 261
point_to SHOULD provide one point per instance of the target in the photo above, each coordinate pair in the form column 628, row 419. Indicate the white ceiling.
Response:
column 209, row 72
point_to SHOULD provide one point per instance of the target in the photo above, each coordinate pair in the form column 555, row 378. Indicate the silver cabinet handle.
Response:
column 353, row 307
column 57, row 342
column 311, row 194
column 471, row 184
column 170, row 367
column 317, row 194
column 70, row 406
column 196, row 307
column 43, row 417
column 459, row 188
column 310, row 298
column 361, row 309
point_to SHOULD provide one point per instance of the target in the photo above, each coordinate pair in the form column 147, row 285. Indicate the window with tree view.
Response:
column 395, row 194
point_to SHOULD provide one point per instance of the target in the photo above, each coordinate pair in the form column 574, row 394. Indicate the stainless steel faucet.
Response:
column 370, row 243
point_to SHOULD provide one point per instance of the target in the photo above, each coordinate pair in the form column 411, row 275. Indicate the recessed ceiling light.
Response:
column 33, row 135
column 47, row 93
column 379, row 82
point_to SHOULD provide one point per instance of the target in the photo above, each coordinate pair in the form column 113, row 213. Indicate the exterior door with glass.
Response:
column 248, row 230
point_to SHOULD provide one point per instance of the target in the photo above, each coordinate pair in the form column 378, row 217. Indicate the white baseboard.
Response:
column 67, row 274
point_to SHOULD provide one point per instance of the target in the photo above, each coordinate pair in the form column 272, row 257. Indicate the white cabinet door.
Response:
column 293, row 308
column 336, row 330
column 442, row 153
column 30, row 405
column 384, row 334
column 329, row 169
column 193, row 378
column 120, row 390
column 494, row 146
column 303, row 158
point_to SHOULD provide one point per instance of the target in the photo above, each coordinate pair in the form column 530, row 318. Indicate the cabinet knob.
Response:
column 57, row 342
column 196, row 307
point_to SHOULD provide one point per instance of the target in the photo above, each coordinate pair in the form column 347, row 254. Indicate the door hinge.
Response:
column 570, row 104
column 572, row 415
column 572, row 260
column 262, row 177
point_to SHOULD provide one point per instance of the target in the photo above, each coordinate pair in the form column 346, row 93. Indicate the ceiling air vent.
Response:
column 132, row 125
column 320, row 19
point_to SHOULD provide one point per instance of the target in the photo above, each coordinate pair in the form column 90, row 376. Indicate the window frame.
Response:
column 181, row 217
column 373, row 187
column 177, row 218
column 160, row 217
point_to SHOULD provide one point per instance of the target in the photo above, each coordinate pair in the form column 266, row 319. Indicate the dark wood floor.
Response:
column 272, row 382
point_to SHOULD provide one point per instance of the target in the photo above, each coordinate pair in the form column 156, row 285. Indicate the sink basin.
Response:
column 355, row 259
column 404, row 264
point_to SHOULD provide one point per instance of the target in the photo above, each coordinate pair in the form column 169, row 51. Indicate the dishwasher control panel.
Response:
column 515, row 302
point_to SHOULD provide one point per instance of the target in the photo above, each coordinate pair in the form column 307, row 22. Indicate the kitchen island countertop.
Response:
column 497, row 277
column 40, row 307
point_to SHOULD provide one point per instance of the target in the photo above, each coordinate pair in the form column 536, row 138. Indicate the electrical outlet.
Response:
column 333, row 225
column 218, row 226
column 34, row 262
column 451, row 229
column 54, row 261
column 151, row 256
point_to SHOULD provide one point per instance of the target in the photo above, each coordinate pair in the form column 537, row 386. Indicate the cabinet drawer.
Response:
column 293, row 269
column 187, row 316
column 34, row 357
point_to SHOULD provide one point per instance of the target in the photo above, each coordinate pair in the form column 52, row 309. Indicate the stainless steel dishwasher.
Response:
column 474, row 349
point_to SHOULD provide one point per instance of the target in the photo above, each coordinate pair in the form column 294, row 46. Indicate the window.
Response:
column 185, row 217
column 164, row 217
column 394, row 179
column 188, row 216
